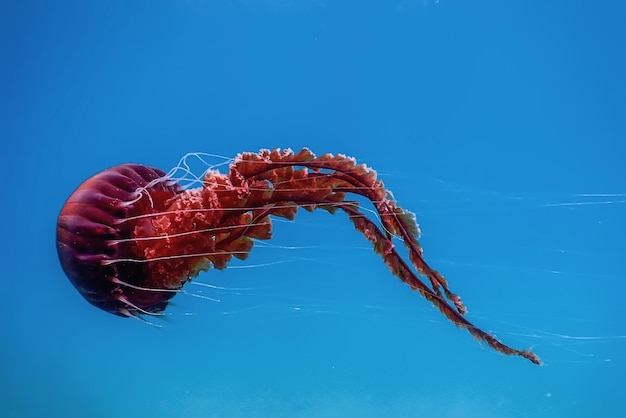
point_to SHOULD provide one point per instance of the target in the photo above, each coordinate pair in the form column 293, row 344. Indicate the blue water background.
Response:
column 500, row 124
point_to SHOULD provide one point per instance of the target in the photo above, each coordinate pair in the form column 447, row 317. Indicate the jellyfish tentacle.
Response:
column 384, row 247
column 345, row 176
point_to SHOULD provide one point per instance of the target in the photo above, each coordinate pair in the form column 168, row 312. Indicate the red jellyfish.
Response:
column 130, row 237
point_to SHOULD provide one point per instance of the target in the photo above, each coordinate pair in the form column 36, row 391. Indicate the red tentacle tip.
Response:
column 527, row 354
column 458, row 303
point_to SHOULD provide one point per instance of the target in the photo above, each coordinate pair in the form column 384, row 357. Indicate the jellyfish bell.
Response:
column 94, row 237
column 131, row 237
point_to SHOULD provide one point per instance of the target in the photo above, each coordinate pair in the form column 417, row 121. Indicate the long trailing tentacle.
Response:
column 274, row 186
column 384, row 247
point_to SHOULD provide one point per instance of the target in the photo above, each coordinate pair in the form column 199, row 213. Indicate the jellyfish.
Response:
column 130, row 237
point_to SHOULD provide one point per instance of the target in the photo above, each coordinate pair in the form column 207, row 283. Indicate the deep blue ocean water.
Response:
column 500, row 124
